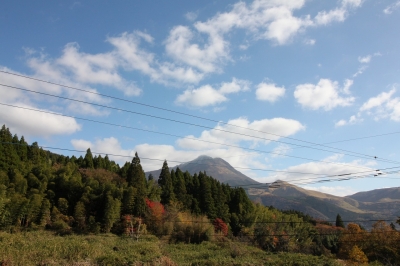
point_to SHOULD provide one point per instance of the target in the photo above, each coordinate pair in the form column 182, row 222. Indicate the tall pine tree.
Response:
column 167, row 187
column 137, row 179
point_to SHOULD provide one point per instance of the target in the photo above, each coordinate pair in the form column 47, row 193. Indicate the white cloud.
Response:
column 191, row 16
column 390, row 8
column 383, row 106
column 269, row 92
column 201, row 97
column 270, row 20
column 360, row 71
column 331, row 166
column 378, row 100
column 33, row 123
column 178, row 45
column 347, row 85
column 132, row 57
column 256, row 132
column 158, row 153
column 206, row 95
column 324, row 95
column 352, row 120
column 281, row 150
column 310, row 42
column 364, row 59
column 235, row 86
column 338, row 14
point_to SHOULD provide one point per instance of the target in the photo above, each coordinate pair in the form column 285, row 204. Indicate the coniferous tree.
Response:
column 207, row 205
column 89, row 159
column 165, row 182
column 180, row 187
column 107, row 163
column 137, row 179
column 339, row 221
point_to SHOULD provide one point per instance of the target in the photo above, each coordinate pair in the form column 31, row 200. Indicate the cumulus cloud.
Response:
column 324, row 95
column 391, row 8
column 383, row 106
column 207, row 96
column 225, row 145
column 269, row 92
column 338, row 14
column 352, row 120
column 203, row 96
column 255, row 132
column 32, row 123
column 153, row 155
column 270, row 20
column 331, row 166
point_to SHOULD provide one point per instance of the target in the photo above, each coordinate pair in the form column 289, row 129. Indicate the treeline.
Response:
column 93, row 194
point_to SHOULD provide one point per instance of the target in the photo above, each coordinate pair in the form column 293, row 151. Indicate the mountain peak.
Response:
column 216, row 167
column 203, row 157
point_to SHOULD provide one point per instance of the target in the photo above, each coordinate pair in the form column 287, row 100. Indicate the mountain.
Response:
column 364, row 206
column 215, row 167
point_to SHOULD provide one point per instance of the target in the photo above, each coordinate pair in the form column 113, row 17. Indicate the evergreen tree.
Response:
column 165, row 182
column 89, row 159
column 206, row 200
column 137, row 179
column 339, row 221
column 179, row 186
column 107, row 163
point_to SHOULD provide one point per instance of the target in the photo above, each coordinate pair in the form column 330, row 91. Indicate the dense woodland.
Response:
column 41, row 190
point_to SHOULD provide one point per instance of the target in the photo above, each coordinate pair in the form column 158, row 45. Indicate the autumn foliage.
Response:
column 220, row 226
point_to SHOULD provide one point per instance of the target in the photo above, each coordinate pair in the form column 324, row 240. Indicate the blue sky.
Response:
column 307, row 72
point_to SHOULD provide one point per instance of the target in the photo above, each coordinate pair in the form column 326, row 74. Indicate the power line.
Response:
column 377, row 172
column 274, row 184
column 154, row 159
column 185, row 114
column 355, row 154
column 173, row 135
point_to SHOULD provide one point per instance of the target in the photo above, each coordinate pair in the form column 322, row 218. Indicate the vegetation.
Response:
column 56, row 210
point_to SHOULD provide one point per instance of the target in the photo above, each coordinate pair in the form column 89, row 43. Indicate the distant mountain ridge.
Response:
column 363, row 206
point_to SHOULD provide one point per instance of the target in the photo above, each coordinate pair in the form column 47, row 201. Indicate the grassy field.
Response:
column 45, row 248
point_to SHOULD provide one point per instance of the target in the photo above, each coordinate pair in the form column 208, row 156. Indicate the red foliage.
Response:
column 155, row 206
column 220, row 226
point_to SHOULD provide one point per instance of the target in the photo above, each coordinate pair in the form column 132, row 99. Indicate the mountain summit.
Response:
column 215, row 167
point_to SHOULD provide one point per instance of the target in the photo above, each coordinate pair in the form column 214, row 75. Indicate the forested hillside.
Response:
column 40, row 190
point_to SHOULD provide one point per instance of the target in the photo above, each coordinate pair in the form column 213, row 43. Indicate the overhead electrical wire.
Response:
column 181, row 113
column 161, row 160
column 355, row 154
column 173, row 135
column 274, row 184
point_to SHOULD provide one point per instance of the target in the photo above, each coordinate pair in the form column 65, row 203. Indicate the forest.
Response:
column 92, row 196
